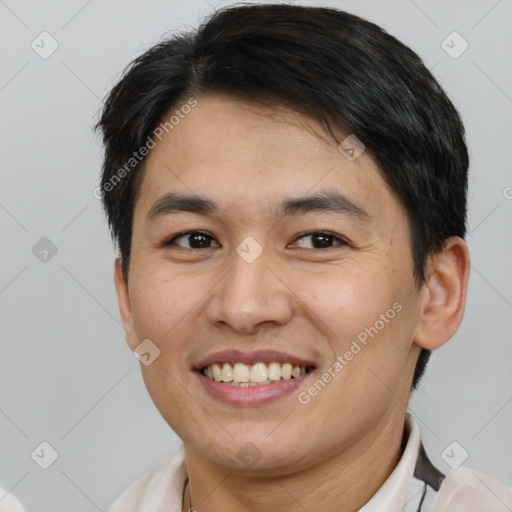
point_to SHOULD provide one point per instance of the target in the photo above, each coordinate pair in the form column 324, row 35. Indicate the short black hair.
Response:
column 334, row 67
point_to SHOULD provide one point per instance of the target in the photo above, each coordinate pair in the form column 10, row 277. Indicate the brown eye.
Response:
column 322, row 240
column 193, row 240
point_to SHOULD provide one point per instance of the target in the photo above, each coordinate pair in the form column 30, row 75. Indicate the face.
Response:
column 259, row 271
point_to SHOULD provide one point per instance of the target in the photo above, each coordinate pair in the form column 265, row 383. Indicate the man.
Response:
column 287, row 189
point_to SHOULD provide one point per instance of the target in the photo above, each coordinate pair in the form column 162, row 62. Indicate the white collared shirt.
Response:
column 415, row 485
column 9, row 502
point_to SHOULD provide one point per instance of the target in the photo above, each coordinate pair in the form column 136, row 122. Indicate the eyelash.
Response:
column 340, row 240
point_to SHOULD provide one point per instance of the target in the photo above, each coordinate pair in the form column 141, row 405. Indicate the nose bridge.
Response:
column 250, row 293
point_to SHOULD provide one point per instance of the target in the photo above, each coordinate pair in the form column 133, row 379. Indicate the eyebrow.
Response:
column 326, row 200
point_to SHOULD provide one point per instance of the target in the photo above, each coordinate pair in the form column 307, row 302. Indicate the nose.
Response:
column 250, row 295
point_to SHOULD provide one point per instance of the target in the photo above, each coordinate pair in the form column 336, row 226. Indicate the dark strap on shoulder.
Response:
column 426, row 471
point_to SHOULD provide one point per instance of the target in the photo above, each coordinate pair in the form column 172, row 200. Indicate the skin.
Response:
column 336, row 451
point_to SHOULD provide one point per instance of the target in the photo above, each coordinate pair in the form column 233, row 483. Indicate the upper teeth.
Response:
column 258, row 373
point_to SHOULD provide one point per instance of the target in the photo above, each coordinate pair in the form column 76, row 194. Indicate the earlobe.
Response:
column 445, row 295
column 123, row 299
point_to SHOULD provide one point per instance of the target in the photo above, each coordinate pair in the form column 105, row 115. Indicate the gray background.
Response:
column 66, row 374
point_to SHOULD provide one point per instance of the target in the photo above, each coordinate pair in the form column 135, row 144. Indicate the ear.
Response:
column 125, row 309
column 444, row 295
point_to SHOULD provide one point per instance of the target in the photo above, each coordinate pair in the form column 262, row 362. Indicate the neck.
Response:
column 344, row 481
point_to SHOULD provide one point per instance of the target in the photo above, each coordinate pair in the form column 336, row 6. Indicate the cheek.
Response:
column 163, row 310
column 160, row 302
column 346, row 299
column 363, row 316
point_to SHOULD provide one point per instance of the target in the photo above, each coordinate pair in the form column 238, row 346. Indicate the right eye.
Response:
column 195, row 239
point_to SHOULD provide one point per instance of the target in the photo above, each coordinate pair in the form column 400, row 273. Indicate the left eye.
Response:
column 322, row 240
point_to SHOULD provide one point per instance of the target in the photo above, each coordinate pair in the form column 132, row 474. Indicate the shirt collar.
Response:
column 402, row 490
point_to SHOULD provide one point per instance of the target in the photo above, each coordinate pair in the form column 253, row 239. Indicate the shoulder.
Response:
column 468, row 490
column 9, row 503
column 158, row 488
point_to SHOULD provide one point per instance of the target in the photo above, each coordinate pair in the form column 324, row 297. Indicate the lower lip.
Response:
column 255, row 395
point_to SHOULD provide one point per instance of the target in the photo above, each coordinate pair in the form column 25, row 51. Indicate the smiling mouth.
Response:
column 259, row 374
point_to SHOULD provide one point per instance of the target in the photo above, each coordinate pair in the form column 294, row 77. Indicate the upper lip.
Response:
column 257, row 356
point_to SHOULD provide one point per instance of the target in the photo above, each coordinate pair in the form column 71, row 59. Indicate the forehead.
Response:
column 249, row 158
